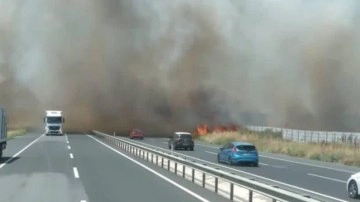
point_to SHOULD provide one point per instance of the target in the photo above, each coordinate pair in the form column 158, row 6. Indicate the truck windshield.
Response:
column 54, row 120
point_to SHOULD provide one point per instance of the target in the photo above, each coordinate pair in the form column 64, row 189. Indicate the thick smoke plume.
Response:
column 168, row 65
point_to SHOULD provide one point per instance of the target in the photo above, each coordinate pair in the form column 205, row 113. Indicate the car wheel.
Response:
column 256, row 164
column 229, row 161
column 191, row 148
column 352, row 189
column 218, row 158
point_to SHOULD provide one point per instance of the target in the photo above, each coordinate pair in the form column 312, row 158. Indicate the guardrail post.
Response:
column 175, row 168
column 157, row 160
column 274, row 200
column 162, row 162
column 152, row 158
column 147, row 156
column 250, row 195
column 231, row 191
column 203, row 179
column 216, row 184
column 168, row 164
column 183, row 174
column 193, row 175
column 311, row 136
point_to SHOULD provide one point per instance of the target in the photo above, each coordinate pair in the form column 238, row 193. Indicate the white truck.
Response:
column 3, row 130
column 53, row 123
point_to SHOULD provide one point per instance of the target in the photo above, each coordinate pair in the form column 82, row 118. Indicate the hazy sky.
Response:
column 168, row 65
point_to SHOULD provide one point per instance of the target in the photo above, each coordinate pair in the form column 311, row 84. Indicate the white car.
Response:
column 352, row 185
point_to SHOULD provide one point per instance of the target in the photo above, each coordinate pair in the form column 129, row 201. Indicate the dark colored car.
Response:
column 181, row 140
column 136, row 134
column 238, row 152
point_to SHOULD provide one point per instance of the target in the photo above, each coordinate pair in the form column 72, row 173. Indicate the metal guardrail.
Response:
column 161, row 159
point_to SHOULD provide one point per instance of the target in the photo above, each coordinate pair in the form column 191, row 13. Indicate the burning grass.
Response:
column 273, row 143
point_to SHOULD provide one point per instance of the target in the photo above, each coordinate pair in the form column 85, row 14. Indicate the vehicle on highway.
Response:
column 234, row 153
column 136, row 134
column 3, row 130
column 352, row 185
column 181, row 140
column 53, row 123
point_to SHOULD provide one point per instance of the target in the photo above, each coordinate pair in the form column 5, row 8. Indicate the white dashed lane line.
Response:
column 76, row 173
column 328, row 178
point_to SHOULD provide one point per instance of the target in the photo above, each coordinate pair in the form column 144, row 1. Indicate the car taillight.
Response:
column 235, row 149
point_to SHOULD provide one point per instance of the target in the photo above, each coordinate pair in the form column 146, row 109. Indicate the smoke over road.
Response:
column 169, row 65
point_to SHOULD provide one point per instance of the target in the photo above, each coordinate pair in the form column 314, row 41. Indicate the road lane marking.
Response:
column 153, row 171
column 308, row 164
column 254, row 175
column 328, row 178
column 76, row 173
column 19, row 152
column 69, row 147
column 264, row 164
column 290, row 161
column 71, row 156
column 83, row 201
column 67, row 141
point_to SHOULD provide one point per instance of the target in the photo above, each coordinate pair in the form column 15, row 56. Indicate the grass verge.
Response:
column 273, row 143
column 15, row 132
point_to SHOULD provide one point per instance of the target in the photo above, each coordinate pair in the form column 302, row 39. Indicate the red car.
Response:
column 136, row 133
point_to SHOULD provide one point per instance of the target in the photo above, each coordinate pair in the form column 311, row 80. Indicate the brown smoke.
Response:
column 169, row 65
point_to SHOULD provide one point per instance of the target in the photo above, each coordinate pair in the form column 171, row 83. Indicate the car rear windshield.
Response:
column 186, row 137
column 246, row 147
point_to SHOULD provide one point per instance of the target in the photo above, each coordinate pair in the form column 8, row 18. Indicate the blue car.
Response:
column 234, row 153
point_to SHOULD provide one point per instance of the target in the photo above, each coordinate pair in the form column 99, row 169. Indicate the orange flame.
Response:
column 204, row 129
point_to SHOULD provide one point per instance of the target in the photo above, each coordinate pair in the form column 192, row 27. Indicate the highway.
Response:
column 317, row 179
column 80, row 168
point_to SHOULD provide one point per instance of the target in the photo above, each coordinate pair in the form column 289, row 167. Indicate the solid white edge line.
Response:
column 19, row 152
column 328, row 178
column 290, row 161
column 76, row 173
column 153, row 171
column 69, row 147
column 67, row 142
column 258, row 176
column 83, row 201
column 71, row 156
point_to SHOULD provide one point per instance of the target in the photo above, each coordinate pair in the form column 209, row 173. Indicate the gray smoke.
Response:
column 169, row 65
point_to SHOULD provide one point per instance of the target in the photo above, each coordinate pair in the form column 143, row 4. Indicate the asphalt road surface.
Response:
column 326, row 181
column 80, row 168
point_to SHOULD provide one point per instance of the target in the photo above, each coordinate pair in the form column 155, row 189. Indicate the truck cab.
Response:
column 53, row 123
